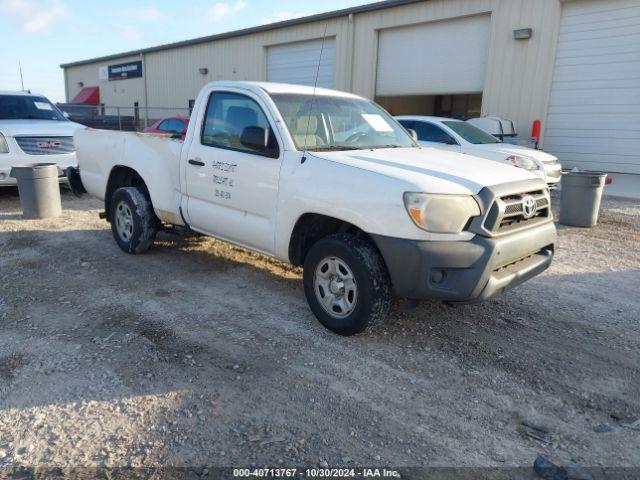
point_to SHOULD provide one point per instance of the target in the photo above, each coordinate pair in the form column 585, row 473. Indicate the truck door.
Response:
column 232, row 184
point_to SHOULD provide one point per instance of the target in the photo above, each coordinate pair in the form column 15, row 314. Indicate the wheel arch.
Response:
column 312, row 227
column 123, row 176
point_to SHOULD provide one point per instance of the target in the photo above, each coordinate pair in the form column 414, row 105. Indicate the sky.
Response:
column 42, row 34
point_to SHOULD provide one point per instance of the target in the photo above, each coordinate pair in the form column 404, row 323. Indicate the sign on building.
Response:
column 103, row 73
column 124, row 71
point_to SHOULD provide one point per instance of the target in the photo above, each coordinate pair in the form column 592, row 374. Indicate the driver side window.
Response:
column 228, row 115
column 428, row 132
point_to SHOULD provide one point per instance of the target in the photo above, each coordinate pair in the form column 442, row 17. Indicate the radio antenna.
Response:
column 313, row 96
column 21, row 79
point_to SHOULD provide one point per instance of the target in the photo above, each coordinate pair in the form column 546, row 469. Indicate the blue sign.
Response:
column 124, row 71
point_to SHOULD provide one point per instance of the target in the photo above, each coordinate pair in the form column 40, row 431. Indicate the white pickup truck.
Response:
column 329, row 181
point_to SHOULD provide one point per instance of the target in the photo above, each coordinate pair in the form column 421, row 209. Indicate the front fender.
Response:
column 371, row 201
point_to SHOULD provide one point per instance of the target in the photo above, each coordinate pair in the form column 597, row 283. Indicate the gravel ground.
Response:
column 202, row 353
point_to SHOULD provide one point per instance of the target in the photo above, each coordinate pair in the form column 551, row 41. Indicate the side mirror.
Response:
column 413, row 133
column 255, row 138
column 450, row 141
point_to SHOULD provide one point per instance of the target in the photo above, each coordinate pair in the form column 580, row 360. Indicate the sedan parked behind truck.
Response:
column 463, row 137
column 169, row 126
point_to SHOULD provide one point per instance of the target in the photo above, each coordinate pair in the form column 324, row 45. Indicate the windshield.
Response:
column 471, row 133
column 339, row 123
column 13, row 107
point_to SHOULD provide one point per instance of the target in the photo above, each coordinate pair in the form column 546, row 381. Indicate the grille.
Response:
column 515, row 264
column 46, row 145
column 508, row 213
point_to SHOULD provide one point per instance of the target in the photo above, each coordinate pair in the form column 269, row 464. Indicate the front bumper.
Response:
column 470, row 271
column 8, row 160
column 6, row 180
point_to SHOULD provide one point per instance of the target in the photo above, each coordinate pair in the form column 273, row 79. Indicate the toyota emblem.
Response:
column 529, row 206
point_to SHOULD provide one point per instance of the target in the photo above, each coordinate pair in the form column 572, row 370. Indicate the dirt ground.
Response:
column 201, row 353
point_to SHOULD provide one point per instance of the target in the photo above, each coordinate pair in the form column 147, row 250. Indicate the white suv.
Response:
column 33, row 130
column 459, row 136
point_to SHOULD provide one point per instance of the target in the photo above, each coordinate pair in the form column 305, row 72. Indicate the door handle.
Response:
column 193, row 161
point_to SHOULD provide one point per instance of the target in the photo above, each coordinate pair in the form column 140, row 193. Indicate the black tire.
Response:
column 141, row 232
column 367, row 267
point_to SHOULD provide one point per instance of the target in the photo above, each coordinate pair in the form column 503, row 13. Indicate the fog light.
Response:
column 438, row 276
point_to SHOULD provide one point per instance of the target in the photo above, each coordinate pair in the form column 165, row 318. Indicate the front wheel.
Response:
column 133, row 222
column 346, row 283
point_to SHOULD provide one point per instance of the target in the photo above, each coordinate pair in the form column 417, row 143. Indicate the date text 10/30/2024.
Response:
column 315, row 473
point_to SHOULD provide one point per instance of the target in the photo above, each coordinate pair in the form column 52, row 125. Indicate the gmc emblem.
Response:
column 52, row 144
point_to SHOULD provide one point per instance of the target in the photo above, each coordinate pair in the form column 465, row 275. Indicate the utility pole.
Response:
column 21, row 79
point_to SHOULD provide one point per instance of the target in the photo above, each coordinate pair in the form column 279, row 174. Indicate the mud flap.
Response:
column 75, row 182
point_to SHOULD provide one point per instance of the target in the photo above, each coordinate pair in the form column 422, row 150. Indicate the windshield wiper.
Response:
column 333, row 148
column 390, row 145
column 30, row 116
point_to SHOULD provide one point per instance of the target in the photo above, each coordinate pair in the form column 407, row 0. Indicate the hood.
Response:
column 33, row 128
column 431, row 170
column 504, row 150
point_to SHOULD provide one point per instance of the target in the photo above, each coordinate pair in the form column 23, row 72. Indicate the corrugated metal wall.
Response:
column 176, row 79
column 518, row 73
column 120, row 93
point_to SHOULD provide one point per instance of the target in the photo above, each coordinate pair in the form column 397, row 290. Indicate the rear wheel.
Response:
column 133, row 222
column 346, row 283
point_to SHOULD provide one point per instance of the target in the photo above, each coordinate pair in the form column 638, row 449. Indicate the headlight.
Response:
column 440, row 213
column 523, row 162
column 4, row 147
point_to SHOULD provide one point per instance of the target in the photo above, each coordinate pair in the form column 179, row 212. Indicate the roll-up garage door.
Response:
column 593, row 120
column 434, row 58
column 298, row 62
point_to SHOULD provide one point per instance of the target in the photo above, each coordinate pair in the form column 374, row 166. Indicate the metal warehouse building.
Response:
column 574, row 65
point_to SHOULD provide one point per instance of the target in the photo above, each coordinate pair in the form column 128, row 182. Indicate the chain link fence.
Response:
column 129, row 119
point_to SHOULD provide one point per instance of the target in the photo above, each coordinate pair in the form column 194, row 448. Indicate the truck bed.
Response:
column 157, row 161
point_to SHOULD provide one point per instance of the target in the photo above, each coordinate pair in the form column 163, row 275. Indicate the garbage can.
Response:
column 39, row 189
column 580, row 196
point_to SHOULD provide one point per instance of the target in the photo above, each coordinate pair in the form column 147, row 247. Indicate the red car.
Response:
column 171, row 125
